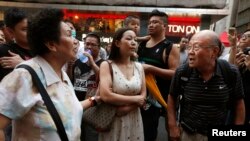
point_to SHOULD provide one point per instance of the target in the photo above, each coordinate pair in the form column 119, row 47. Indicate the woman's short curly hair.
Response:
column 43, row 27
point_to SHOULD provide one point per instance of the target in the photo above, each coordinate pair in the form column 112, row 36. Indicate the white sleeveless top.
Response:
column 128, row 127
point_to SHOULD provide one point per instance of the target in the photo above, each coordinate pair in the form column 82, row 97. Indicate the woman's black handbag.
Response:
column 102, row 115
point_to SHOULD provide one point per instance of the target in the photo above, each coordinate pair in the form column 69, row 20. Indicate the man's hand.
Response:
column 2, row 135
column 174, row 133
column 146, row 68
column 140, row 100
column 232, row 40
column 247, row 62
column 240, row 59
column 90, row 58
column 10, row 62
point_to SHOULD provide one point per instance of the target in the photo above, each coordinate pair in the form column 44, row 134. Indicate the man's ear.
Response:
column 51, row 45
column 216, row 52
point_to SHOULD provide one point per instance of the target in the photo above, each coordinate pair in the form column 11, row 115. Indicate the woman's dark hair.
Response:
column 13, row 16
column 42, row 28
column 115, row 51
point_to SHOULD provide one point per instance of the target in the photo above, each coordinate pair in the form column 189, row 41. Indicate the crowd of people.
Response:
column 190, row 76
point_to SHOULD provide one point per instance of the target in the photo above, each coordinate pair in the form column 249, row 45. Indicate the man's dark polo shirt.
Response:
column 205, row 103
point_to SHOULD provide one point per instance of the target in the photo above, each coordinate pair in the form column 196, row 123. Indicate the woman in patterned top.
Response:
column 52, row 44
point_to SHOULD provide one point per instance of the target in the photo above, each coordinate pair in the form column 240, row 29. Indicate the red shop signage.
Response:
column 181, row 25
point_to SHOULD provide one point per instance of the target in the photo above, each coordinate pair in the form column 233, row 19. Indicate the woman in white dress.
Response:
column 127, row 89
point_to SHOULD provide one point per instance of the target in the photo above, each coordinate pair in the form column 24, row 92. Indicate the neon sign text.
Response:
column 183, row 29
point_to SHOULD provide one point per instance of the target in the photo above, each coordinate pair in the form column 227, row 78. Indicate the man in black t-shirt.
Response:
column 15, row 52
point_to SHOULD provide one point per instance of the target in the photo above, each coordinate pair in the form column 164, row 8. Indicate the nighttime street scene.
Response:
column 124, row 70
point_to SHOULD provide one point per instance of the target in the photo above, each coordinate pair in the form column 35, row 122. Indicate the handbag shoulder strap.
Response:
column 110, row 68
column 49, row 104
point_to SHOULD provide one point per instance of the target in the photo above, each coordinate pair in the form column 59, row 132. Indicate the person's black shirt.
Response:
column 15, row 48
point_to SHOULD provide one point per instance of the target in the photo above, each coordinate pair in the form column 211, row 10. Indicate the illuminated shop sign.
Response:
column 182, row 25
column 96, row 22
column 183, row 29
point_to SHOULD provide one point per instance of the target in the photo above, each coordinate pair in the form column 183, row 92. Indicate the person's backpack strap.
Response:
column 49, row 104
column 230, row 79
column 110, row 68
column 184, row 78
column 185, row 74
column 228, row 74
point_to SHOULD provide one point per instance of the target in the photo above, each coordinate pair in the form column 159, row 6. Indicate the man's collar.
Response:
column 217, row 72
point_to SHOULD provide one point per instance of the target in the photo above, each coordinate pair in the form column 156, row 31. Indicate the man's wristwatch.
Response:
column 93, row 101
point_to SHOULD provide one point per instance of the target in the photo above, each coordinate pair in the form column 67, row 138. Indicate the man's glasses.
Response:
column 196, row 47
column 90, row 44
column 246, row 36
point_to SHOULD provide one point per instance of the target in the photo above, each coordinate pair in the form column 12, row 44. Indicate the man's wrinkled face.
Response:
column 201, row 51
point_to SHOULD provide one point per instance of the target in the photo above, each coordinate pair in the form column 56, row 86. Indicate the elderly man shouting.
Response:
column 207, row 95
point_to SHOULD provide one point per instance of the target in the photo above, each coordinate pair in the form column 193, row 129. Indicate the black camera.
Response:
column 246, row 50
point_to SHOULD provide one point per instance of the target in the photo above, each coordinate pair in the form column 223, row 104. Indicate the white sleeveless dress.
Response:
column 130, row 126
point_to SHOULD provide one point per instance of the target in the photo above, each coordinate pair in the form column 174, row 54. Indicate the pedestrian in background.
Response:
column 240, row 56
column 183, row 52
column 86, row 78
column 108, row 49
column 86, row 74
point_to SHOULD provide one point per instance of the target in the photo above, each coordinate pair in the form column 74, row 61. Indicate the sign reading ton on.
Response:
column 182, row 25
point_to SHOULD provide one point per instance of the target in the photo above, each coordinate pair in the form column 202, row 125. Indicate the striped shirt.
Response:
column 205, row 103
